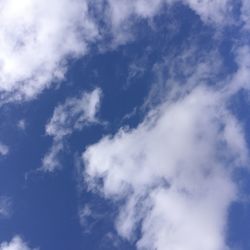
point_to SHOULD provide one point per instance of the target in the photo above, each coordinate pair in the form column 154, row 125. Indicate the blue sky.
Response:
column 124, row 124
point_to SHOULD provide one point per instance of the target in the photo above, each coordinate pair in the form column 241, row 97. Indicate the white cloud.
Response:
column 72, row 115
column 5, row 206
column 173, row 173
column 51, row 161
column 122, row 14
column 36, row 39
column 212, row 11
column 22, row 124
column 4, row 149
column 245, row 13
column 88, row 218
column 240, row 79
column 15, row 244
column 173, row 170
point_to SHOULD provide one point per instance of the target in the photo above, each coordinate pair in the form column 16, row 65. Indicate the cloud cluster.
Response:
column 74, row 114
column 212, row 11
column 172, row 173
column 36, row 38
column 15, row 244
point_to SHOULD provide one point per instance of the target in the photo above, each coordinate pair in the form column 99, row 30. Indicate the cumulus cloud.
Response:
column 4, row 149
column 173, row 171
column 15, row 244
column 36, row 38
column 212, row 11
column 72, row 115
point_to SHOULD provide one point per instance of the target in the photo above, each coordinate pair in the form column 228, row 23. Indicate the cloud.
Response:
column 22, row 124
column 36, row 39
column 4, row 149
column 15, row 244
column 245, row 14
column 172, row 176
column 240, row 78
column 173, row 172
column 5, row 207
column 212, row 11
column 51, row 161
column 73, row 115
column 122, row 15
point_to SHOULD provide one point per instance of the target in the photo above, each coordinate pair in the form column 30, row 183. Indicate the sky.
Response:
column 124, row 124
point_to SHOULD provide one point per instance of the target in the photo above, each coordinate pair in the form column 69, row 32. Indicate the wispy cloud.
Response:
column 4, row 149
column 22, row 124
column 5, row 207
column 42, row 26
column 172, row 175
column 174, row 172
column 73, row 115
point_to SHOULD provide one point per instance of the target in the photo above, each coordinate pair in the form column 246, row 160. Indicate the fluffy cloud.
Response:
column 15, row 244
column 4, row 150
column 36, row 38
column 22, row 124
column 212, row 11
column 172, row 175
column 72, row 115
column 173, row 171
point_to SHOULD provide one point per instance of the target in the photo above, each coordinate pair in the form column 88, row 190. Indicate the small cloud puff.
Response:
column 15, row 244
column 5, row 207
column 4, row 149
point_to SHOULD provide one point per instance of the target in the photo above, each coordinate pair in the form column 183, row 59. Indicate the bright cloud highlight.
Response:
column 15, row 244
